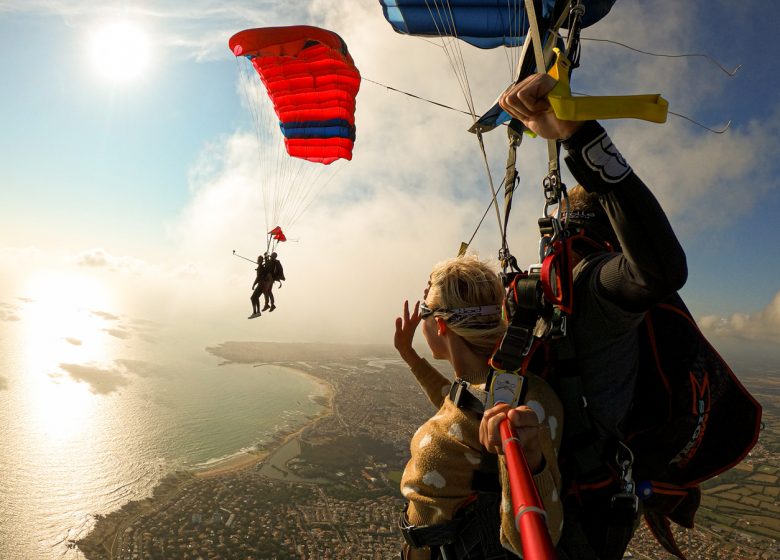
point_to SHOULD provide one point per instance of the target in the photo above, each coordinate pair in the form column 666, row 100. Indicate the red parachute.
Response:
column 312, row 81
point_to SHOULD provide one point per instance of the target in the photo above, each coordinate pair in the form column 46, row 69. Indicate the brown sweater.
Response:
column 445, row 452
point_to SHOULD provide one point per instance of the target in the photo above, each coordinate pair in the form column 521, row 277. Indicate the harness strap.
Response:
column 585, row 448
column 427, row 535
column 472, row 535
column 522, row 305
column 467, row 397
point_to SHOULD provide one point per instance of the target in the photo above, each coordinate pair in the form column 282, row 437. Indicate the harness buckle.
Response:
column 459, row 387
column 626, row 499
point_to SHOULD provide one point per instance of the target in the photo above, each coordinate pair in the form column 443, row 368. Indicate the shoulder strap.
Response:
column 584, row 447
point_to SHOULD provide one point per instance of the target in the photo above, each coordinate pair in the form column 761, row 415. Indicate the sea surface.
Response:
column 93, row 413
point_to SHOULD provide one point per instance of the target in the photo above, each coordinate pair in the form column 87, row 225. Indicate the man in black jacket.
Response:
column 612, row 292
column 273, row 273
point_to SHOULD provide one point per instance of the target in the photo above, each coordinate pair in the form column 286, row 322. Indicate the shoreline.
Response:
column 108, row 528
column 249, row 459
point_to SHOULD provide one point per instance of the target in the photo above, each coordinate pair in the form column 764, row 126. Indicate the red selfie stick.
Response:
column 529, row 513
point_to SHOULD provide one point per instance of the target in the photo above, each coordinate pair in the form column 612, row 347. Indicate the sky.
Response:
column 126, row 186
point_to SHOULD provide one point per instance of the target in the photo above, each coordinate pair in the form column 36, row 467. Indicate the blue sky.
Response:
column 144, row 188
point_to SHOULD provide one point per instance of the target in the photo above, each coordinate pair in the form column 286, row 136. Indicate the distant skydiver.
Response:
column 273, row 273
column 258, row 288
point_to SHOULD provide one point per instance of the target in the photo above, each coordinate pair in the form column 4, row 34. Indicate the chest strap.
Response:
column 467, row 397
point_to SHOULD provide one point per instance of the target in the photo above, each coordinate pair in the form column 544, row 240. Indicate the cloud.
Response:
column 102, row 381
column 99, row 258
column 106, row 380
column 196, row 29
column 118, row 333
column 73, row 341
column 8, row 312
column 763, row 325
column 105, row 315
column 416, row 186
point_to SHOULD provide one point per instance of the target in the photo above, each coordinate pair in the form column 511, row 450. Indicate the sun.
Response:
column 120, row 51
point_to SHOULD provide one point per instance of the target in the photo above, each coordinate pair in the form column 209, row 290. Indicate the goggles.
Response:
column 461, row 313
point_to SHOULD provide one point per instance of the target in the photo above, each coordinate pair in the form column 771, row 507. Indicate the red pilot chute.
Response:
column 277, row 234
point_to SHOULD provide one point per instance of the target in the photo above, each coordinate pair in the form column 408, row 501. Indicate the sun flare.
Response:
column 120, row 51
column 62, row 320
column 63, row 323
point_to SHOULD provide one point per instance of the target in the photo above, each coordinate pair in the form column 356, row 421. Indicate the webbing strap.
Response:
column 511, row 178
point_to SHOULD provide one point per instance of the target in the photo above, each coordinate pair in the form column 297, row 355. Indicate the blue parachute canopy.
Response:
column 483, row 23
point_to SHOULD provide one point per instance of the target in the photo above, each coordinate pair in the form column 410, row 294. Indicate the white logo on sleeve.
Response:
column 603, row 157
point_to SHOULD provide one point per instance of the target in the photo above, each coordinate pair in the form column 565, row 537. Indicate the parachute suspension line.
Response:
column 271, row 151
column 288, row 184
column 731, row 73
column 516, row 27
column 492, row 186
column 304, row 205
column 254, row 104
column 449, row 42
column 461, row 63
column 416, row 96
column 492, row 202
column 484, row 215
column 313, row 175
column 720, row 130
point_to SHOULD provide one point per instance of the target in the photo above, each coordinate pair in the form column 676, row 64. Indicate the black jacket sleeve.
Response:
column 652, row 263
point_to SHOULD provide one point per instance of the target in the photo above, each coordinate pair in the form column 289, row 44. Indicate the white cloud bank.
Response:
column 764, row 325
column 416, row 185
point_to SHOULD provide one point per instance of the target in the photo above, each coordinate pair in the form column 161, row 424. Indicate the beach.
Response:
column 106, row 535
column 250, row 459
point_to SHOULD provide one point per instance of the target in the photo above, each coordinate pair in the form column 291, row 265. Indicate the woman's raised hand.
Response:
column 527, row 102
column 405, row 326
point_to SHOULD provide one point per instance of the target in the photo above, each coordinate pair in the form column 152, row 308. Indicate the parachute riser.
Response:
column 554, row 189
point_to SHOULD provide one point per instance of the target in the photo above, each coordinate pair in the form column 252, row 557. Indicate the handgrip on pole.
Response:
column 530, row 518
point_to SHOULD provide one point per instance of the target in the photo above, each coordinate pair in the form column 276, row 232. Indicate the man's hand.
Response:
column 527, row 102
column 405, row 328
column 526, row 425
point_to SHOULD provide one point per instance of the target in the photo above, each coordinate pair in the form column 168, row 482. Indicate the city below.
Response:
column 330, row 489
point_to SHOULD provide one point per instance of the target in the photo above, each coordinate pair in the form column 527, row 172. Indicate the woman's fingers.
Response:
column 524, row 421
column 489, row 435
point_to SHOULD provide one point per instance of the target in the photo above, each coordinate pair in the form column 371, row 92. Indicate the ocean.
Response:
column 90, row 420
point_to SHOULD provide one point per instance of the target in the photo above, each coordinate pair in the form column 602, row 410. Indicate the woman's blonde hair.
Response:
column 467, row 282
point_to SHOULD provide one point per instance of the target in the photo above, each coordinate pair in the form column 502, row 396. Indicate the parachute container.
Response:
column 312, row 82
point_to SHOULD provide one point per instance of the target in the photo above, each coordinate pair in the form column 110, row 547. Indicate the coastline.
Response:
column 107, row 530
column 250, row 459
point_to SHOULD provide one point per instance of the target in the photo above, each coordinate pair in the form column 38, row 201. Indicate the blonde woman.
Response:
column 456, row 499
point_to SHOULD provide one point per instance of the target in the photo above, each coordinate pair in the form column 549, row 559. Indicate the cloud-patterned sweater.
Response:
column 445, row 452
